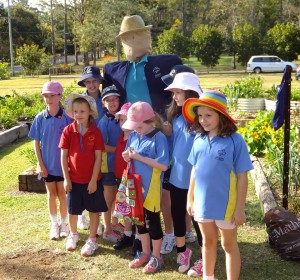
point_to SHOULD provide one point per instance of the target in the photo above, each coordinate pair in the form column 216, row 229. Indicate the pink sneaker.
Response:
column 183, row 259
column 153, row 265
column 139, row 261
column 196, row 270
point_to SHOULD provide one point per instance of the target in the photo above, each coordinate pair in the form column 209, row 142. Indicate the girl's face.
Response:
column 179, row 96
column 92, row 85
column 52, row 100
column 209, row 120
column 81, row 113
column 144, row 128
column 112, row 103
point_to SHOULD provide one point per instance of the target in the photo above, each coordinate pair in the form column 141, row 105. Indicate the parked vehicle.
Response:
column 268, row 63
column 297, row 75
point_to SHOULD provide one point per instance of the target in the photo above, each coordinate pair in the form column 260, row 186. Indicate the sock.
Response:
column 212, row 277
column 137, row 236
column 63, row 220
column 128, row 233
column 181, row 249
column 74, row 233
column 92, row 239
column 53, row 218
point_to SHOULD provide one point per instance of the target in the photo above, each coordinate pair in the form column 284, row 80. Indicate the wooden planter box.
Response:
column 28, row 182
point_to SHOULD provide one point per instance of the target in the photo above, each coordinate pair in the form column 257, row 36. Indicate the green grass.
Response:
column 26, row 250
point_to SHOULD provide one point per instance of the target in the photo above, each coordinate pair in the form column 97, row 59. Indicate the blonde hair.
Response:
column 157, row 122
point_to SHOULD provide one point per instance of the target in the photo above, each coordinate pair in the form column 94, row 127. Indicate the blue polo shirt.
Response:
column 48, row 130
column 216, row 164
column 99, row 104
column 111, row 131
column 136, row 83
column 153, row 145
column 181, row 148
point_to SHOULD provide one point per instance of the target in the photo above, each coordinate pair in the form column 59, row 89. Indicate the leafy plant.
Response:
column 4, row 71
column 30, row 155
column 259, row 134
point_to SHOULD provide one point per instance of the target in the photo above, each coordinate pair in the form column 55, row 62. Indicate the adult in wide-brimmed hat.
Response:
column 132, row 24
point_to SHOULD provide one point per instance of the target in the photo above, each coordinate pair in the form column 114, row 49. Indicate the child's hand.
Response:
column 190, row 208
column 92, row 187
column 239, row 217
column 125, row 155
column 67, row 185
column 42, row 170
column 133, row 154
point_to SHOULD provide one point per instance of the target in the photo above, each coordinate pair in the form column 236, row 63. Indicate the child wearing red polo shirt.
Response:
column 82, row 145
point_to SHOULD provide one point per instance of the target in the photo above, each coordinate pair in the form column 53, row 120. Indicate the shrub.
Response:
column 4, row 71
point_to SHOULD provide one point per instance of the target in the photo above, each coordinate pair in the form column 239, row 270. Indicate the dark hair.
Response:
column 174, row 110
column 226, row 126
column 82, row 100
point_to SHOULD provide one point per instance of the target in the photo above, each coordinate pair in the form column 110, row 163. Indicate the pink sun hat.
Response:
column 52, row 87
column 138, row 113
column 124, row 109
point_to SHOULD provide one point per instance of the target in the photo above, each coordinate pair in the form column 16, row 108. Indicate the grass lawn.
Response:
column 27, row 253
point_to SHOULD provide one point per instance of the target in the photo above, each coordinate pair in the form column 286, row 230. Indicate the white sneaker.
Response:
column 168, row 244
column 89, row 248
column 190, row 237
column 63, row 230
column 82, row 222
column 112, row 237
column 71, row 241
column 54, row 231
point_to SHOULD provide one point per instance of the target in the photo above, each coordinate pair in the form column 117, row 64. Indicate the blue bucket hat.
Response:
column 168, row 79
column 90, row 72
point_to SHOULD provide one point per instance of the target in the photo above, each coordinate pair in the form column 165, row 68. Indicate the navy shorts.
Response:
column 166, row 184
column 109, row 179
column 50, row 178
column 79, row 199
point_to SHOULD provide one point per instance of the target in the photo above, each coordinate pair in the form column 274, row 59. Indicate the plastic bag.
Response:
column 283, row 229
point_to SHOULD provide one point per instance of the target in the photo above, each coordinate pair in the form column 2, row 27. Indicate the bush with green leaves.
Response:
column 4, row 71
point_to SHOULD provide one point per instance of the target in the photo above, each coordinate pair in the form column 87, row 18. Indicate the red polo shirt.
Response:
column 81, row 161
column 120, row 163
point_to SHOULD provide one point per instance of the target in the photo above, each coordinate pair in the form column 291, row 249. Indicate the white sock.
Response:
column 128, row 232
column 63, row 220
column 53, row 218
column 137, row 236
column 212, row 277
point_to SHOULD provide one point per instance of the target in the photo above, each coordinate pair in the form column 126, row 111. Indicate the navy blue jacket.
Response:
column 156, row 67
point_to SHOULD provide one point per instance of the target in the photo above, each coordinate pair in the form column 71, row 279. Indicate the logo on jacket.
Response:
column 156, row 71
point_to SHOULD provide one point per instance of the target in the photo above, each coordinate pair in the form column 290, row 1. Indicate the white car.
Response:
column 268, row 63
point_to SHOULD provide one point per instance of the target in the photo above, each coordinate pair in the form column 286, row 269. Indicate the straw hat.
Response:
column 132, row 24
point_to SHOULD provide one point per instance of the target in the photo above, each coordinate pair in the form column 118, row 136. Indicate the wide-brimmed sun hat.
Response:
column 52, row 87
column 68, row 104
column 168, row 79
column 185, row 81
column 132, row 24
column 138, row 113
column 213, row 99
column 90, row 72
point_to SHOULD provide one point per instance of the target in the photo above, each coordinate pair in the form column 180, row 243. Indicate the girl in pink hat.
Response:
column 46, row 131
column 218, row 184
column 147, row 148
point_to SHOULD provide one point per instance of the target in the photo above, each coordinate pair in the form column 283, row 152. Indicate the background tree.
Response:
column 284, row 41
column 174, row 42
column 207, row 45
column 247, row 42
column 31, row 57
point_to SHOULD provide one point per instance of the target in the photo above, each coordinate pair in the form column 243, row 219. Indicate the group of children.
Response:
column 83, row 147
